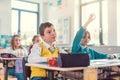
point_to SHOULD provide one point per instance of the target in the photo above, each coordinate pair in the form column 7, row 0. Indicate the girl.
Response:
column 19, row 51
column 81, row 40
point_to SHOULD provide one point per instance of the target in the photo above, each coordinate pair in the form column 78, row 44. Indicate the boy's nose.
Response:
column 53, row 33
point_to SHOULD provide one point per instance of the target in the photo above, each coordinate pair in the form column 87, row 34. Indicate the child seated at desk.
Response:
column 35, row 39
column 82, row 39
column 19, row 51
column 44, row 50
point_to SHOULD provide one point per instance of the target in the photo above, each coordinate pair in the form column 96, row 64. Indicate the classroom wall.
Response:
column 5, row 17
column 112, row 22
column 69, row 10
column 57, row 13
column 53, row 14
column 118, row 21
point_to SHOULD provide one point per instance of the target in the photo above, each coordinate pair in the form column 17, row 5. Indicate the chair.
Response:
column 26, row 69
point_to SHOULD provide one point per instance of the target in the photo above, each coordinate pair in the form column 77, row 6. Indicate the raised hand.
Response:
column 90, row 19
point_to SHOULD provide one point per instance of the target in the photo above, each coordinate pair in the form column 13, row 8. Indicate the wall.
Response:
column 47, row 13
column 112, row 22
column 118, row 21
column 70, row 10
column 52, row 14
column 67, row 9
column 5, row 17
column 106, row 49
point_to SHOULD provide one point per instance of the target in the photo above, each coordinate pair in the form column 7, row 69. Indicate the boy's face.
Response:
column 49, row 35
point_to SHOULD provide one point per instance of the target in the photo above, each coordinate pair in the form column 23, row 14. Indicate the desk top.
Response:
column 93, row 64
column 9, row 58
column 46, row 66
column 104, row 62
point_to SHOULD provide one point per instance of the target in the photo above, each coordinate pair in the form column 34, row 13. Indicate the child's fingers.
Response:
column 92, row 16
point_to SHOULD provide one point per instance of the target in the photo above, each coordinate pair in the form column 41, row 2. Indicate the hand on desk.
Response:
column 111, row 56
column 52, row 62
column 20, row 55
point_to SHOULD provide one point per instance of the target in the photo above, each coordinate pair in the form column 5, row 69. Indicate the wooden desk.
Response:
column 6, row 66
column 90, row 72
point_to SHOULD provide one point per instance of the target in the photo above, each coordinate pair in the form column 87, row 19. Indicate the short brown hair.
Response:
column 43, row 26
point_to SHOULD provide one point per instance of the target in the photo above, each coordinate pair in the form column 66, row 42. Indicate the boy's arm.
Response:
column 34, row 56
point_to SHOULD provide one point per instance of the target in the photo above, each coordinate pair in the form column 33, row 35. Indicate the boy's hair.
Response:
column 43, row 26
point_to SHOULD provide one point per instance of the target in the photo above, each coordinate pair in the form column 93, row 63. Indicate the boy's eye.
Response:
column 54, row 31
column 49, row 32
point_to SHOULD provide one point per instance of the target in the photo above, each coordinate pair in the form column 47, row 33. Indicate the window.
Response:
column 24, row 5
column 93, row 27
column 85, row 1
column 99, row 25
column 25, row 19
column 14, row 22
column 105, row 22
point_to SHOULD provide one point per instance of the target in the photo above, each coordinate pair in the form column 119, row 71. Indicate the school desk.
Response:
column 6, row 66
column 90, row 72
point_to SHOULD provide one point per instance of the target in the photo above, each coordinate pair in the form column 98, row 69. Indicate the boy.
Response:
column 42, row 51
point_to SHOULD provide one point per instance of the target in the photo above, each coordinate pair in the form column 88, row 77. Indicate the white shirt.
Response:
column 35, row 57
column 17, row 51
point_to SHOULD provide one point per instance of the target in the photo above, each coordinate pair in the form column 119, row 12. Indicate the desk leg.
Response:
column 50, row 74
column 6, row 70
column 90, row 74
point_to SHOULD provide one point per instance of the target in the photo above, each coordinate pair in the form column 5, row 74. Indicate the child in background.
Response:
column 35, row 39
column 42, row 52
column 19, row 51
column 81, row 40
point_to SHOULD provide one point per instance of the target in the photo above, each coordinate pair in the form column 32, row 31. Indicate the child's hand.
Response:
column 112, row 56
column 91, row 17
column 20, row 55
column 52, row 61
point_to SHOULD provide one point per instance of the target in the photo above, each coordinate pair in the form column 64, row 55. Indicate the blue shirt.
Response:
column 77, row 48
